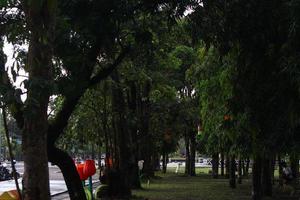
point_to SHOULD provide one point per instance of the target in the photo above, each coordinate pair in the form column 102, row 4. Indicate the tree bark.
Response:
column 193, row 154
column 247, row 166
column 227, row 167
column 256, row 178
column 165, row 161
column 41, row 22
column 69, row 171
column 143, row 96
column 132, row 105
column 61, row 158
column 266, row 177
column 273, row 162
column 127, row 166
column 222, row 164
column 215, row 165
column 240, row 171
column 294, row 159
column 232, row 177
column 187, row 154
column 280, row 169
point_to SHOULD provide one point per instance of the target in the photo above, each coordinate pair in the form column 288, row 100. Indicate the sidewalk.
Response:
column 65, row 195
column 58, row 188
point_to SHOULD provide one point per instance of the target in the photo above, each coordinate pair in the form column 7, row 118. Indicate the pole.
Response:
column 10, row 153
column 91, row 185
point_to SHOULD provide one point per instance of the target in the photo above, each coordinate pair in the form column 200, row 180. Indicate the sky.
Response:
column 9, row 51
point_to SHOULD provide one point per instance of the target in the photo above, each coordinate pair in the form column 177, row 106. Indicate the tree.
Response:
column 258, row 30
column 83, row 54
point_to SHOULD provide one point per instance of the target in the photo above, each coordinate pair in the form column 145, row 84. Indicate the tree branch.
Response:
column 57, row 126
column 107, row 71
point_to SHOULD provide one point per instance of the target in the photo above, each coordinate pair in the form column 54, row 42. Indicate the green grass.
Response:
column 173, row 186
column 202, row 187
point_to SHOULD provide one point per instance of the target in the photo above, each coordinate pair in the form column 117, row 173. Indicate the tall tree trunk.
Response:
column 266, row 177
column 114, row 148
column 155, row 161
column 232, row 177
column 240, row 171
column 148, row 158
column 256, row 178
column 247, row 166
column 164, row 162
column 99, row 155
column 132, row 105
column 280, row 169
column 93, row 150
column 222, row 164
column 227, row 167
column 187, row 154
column 215, row 165
column 69, row 171
column 243, row 168
column 61, row 158
column 294, row 159
column 193, row 154
column 144, row 109
column 40, row 22
column 273, row 169
column 120, row 186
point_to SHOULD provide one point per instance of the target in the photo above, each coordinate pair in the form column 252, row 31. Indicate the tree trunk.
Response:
column 134, row 176
column 280, row 170
column 227, row 165
column 187, row 154
column 273, row 169
column 93, row 150
column 155, row 161
column 40, row 22
column 132, row 106
column 215, row 165
column 294, row 159
column 240, row 171
column 126, row 165
column 232, row 178
column 99, row 155
column 244, row 168
column 247, row 166
column 193, row 154
column 144, row 108
column 256, row 178
column 164, row 162
column 266, row 177
column 69, row 171
column 222, row 164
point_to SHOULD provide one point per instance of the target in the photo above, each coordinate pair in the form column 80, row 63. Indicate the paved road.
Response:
column 57, row 183
column 54, row 171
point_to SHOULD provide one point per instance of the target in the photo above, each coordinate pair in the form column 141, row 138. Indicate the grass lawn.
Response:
column 173, row 186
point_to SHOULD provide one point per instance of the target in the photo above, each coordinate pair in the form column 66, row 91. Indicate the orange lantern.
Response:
column 80, row 170
column 227, row 117
column 108, row 162
column 12, row 195
column 89, row 168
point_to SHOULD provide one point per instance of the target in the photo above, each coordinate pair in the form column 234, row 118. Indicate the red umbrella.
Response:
column 89, row 168
column 80, row 170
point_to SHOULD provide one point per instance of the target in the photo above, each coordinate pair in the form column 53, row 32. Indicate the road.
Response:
column 57, row 183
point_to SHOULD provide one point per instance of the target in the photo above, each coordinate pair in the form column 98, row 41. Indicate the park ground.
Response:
column 171, row 186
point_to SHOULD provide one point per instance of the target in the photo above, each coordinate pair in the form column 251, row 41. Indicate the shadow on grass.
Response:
column 173, row 186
